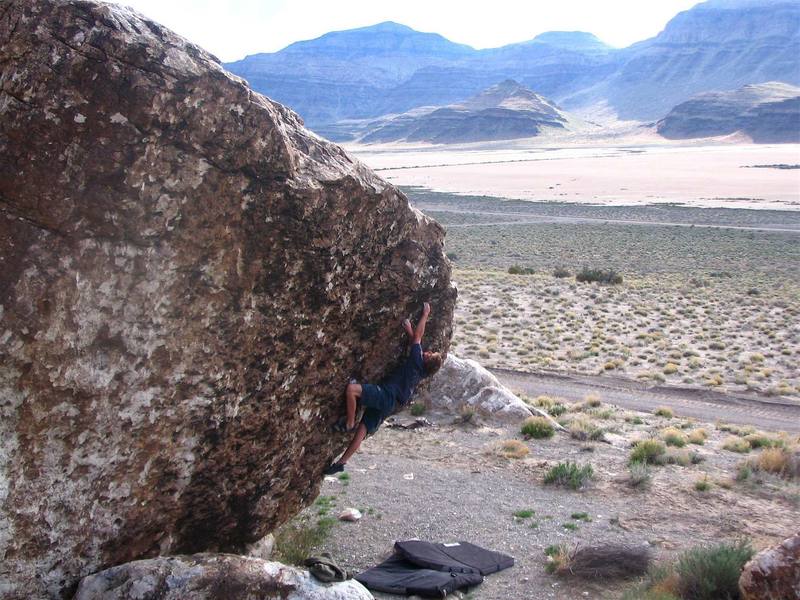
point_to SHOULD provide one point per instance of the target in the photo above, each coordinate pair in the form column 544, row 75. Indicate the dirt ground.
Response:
column 449, row 482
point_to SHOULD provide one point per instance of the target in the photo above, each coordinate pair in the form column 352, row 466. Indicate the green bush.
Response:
column 586, row 275
column 639, row 475
column 561, row 272
column 417, row 409
column 647, row 451
column 569, row 475
column 537, row 427
column 518, row 270
column 711, row 573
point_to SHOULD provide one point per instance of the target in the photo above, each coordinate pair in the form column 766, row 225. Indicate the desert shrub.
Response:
column 606, row 561
column 673, row 437
column 570, row 475
column 537, row 427
column 702, row 485
column 639, row 475
column 513, row 449
column 295, row 541
column 736, row 444
column 711, row 573
column 670, row 368
column 557, row 410
column 674, row 456
column 417, row 409
column 518, row 270
column 592, row 400
column 779, row 461
column 524, row 513
column 581, row 429
column 647, row 451
column 561, row 272
column 664, row 411
column 698, row 436
column 761, row 440
column 705, row 573
column 587, row 275
column 542, row 402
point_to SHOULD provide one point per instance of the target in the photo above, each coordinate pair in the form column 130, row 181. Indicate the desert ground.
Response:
column 634, row 171
column 695, row 347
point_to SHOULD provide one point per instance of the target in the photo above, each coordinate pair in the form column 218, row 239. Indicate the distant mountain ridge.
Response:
column 767, row 113
column 504, row 111
column 390, row 68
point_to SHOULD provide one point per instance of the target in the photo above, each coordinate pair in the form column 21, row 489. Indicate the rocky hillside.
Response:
column 390, row 69
column 502, row 112
column 768, row 112
column 717, row 45
column 188, row 277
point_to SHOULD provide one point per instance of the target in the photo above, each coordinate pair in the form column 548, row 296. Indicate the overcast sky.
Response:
column 235, row 28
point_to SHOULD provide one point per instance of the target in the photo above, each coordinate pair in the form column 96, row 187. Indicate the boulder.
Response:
column 464, row 385
column 212, row 577
column 188, row 279
column 773, row 573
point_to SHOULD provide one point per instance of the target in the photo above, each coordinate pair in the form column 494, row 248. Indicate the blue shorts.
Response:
column 378, row 405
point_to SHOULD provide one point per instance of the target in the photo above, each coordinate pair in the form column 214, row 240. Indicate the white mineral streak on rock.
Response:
column 119, row 118
column 79, row 118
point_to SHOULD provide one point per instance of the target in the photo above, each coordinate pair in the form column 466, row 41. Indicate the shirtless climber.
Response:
column 393, row 392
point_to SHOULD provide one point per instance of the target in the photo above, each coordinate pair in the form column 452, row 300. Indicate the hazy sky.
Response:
column 234, row 28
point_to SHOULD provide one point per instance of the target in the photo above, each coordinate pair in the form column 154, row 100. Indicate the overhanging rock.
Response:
column 188, row 278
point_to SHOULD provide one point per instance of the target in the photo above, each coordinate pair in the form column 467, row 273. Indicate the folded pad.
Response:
column 460, row 557
column 433, row 570
column 397, row 575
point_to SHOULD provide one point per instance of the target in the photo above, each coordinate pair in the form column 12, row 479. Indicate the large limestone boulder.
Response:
column 213, row 577
column 188, row 278
column 774, row 573
column 464, row 385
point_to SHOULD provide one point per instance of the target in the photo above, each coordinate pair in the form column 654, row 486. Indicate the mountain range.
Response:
column 766, row 112
column 391, row 69
column 504, row 111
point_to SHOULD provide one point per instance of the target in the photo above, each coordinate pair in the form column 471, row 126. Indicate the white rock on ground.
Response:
column 212, row 577
column 463, row 384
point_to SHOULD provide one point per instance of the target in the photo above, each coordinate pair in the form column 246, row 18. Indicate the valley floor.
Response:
column 619, row 172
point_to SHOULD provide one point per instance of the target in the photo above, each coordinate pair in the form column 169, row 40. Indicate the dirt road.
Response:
column 773, row 414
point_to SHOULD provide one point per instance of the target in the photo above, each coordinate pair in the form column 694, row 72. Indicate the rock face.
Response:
column 768, row 113
column 463, row 384
column 212, row 577
column 774, row 573
column 188, row 278
column 505, row 111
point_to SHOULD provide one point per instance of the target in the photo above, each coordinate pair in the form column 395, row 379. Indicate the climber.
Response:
column 393, row 392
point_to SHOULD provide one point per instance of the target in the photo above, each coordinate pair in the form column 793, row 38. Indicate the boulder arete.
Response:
column 188, row 278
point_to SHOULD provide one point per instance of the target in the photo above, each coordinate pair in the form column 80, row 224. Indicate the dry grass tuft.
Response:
column 736, row 444
column 513, row 449
column 609, row 561
column 779, row 461
column 698, row 436
column 673, row 437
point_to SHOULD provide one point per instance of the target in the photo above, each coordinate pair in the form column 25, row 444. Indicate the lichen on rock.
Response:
column 188, row 278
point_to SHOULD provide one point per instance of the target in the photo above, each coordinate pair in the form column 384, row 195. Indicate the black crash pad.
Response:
column 396, row 575
column 433, row 570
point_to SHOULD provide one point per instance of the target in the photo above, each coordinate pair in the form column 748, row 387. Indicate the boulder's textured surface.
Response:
column 463, row 384
column 212, row 577
column 188, row 278
column 774, row 573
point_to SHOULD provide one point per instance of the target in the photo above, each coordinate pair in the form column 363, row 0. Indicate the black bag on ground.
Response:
column 433, row 570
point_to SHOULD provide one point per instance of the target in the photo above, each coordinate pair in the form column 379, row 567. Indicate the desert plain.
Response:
column 695, row 348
